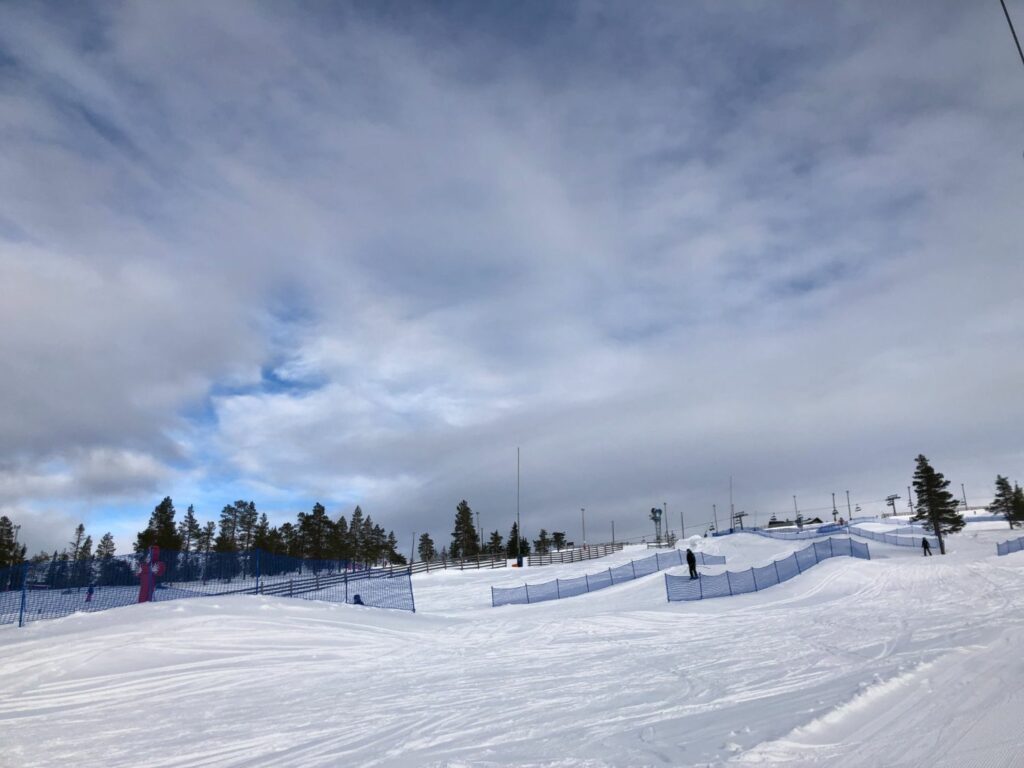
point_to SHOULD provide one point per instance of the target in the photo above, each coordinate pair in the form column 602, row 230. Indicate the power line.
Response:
column 1012, row 30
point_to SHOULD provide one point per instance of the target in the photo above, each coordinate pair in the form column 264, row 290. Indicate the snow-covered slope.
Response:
column 900, row 661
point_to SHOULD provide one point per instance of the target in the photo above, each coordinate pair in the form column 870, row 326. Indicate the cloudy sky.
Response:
column 358, row 253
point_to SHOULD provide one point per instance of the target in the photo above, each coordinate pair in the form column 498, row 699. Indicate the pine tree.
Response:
column 315, row 531
column 189, row 531
column 558, row 540
column 11, row 553
column 161, row 530
column 261, row 534
column 247, row 520
column 393, row 555
column 495, row 545
column 542, row 543
column 1002, row 504
column 206, row 536
column 465, row 539
column 935, row 505
column 1018, row 507
column 341, row 548
column 426, row 548
column 106, row 548
column 76, row 542
column 85, row 550
column 356, row 534
column 225, row 540
column 524, row 545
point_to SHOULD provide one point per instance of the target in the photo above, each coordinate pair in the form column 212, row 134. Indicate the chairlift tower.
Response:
column 656, row 517
column 891, row 501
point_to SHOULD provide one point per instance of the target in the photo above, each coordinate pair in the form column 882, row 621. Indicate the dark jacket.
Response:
column 691, row 559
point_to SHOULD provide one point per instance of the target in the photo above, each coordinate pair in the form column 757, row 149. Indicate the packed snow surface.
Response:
column 900, row 661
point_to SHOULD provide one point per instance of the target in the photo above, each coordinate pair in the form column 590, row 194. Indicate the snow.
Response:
column 897, row 661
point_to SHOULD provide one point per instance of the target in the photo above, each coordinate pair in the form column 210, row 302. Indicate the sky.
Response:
column 359, row 253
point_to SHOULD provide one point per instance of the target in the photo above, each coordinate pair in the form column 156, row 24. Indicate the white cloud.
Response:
column 698, row 241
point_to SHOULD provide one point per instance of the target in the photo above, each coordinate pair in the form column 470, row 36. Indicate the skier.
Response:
column 926, row 548
column 357, row 600
column 691, row 560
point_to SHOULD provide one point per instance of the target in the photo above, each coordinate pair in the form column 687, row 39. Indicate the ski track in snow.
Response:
column 900, row 661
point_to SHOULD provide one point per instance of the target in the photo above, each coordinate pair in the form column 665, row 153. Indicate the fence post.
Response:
column 796, row 556
column 24, row 590
column 633, row 566
column 777, row 577
column 831, row 551
column 611, row 579
column 587, row 579
column 257, row 571
column 558, row 590
column 729, row 582
column 527, row 593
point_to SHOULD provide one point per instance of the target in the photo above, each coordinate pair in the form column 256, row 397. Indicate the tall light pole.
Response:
column 519, row 528
column 835, row 512
column 583, row 519
column 965, row 496
column 849, row 512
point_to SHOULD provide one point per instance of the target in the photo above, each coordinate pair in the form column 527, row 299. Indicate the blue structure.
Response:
column 1006, row 547
column 49, row 590
column 681, row 588
column 560, row 588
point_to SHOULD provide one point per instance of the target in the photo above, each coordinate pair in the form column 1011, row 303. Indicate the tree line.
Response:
column 316, row 536
column 466, row 541
column 241, row 528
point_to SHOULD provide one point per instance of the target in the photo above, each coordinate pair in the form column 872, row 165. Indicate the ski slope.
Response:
column 900, row 661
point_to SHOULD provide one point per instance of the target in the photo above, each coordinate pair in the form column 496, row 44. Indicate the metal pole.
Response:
column 412, row 550
column 613, row 531
column 714, row 510
column 910, row 500
column 732, row 509
column 664, row 508
column 965, row 496
column 796, row 511
column 519, row 530
column 849, row 512
column 583, row 519
column 682, row 525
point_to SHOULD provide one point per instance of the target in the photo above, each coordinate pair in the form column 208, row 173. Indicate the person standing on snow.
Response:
column 926, row 548
column 691, row 560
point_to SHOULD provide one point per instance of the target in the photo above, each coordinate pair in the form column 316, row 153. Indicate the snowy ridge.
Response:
column 561, row 588
column 680, row 588
column 903, row 661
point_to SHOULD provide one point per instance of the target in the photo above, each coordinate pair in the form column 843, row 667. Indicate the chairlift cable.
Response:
column 1012, row 30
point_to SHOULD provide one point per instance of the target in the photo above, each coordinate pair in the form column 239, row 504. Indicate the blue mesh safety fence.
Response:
column 1006, row 547
column 55, row 588
column 599, row 580
column 646, row 567
column 894, row 539
column 681, row 588
column 559, row 588
column 572, row 587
